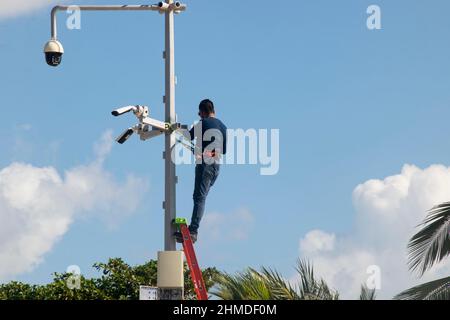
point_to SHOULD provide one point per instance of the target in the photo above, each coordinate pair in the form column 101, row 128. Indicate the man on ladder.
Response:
column 211, row 139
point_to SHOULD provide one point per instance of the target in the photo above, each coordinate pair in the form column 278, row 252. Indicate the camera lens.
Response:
column 53, row 58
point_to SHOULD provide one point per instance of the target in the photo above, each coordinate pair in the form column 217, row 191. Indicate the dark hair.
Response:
column 206, row 106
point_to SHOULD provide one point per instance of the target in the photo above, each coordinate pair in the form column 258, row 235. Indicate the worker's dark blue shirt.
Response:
column 215, row 131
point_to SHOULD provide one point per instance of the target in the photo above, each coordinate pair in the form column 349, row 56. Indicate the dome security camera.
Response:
column 53, row 52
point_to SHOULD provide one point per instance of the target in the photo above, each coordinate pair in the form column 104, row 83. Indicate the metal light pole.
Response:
column 169, row 99
column 170, row 261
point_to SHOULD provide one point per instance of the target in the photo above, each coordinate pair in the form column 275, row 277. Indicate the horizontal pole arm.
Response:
column 153, row 7
column 156, row 124
column 161, row 7
column 150, row 134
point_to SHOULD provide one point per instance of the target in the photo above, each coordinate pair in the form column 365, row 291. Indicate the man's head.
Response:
column 206, row 109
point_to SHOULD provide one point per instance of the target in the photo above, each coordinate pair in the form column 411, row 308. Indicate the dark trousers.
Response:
column 205, row 176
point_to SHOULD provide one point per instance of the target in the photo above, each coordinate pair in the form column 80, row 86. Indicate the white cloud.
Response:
column 387, row 212
column 103, row 147
column 38, row 205
column 14, row 8
column 238, row 225
column 316, row 241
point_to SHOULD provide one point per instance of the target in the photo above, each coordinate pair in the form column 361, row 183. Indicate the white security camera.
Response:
column 163, row 5
column 176, row 6
column 53, row 52
column 125, row 136
column 123, row 110
column 147, row 127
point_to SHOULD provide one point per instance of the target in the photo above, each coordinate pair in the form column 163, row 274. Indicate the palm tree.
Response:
column 434, row 290
column 367, row 294
column 270, row 285
column 426, row 248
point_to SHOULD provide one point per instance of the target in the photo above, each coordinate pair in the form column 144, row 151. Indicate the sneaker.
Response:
column 178, row 237
column 194, row 237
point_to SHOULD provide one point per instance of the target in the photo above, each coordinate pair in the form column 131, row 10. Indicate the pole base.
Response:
column 170, row 275
column 170, row 293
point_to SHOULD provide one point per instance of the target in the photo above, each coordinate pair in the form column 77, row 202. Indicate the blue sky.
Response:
column 351, row 105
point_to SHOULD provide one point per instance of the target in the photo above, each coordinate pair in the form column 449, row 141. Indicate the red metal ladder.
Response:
column 189, row 252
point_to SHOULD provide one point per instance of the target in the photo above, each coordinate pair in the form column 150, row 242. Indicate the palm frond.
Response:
column 307, row 282
column 247, row 285
column 431, row 244
column 309, row 287
column 280, row 288
column 367, row 294
column 434, row 290
column 270, row 285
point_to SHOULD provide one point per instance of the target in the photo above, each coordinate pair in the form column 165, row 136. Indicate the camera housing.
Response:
column 125, row 136
column 123, row 110
column 53, row 51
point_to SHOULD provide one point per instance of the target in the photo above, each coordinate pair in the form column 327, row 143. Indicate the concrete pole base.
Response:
column 170, row 275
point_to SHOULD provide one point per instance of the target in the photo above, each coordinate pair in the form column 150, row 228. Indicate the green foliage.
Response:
column 367, row 294
column 209, row 276
column 426, row 248
column 433, row 290
column 18, row 291
column 270, row 285
column 431, row 244
column 59, row 290
column 118, row 281
column 311, row 288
